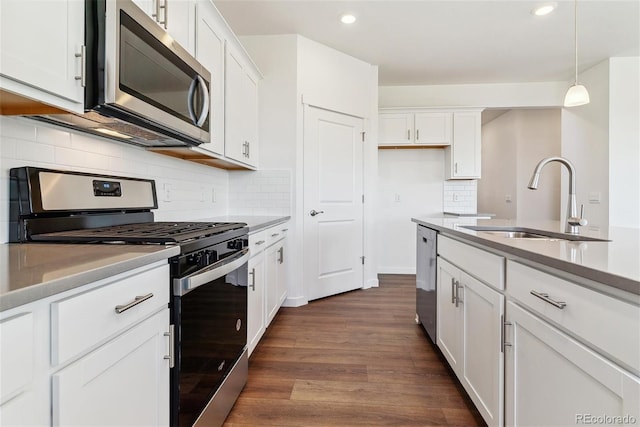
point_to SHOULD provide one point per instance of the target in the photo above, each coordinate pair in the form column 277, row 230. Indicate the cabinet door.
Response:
column 554, row 380
column 463, row 158
column 256, row 301
column 433, row 128
column 38, row 45
column 124, row 382
column 482, row 377
column 235, row 144
column 19, row 404
column 250, row 125
column 210, row 52
column 395, row 129
column 272, row 255
column 180, row 18
column 449, row 323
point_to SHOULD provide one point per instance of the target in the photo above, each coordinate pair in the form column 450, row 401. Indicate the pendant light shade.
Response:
column 577, row 93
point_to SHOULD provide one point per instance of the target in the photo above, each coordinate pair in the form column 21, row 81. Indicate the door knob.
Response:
column 314, row 212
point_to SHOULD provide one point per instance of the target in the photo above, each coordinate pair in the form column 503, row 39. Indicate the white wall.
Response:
column 624, row 142
column 512, row 145
column 499, row 152
column 585, row 141
column 410, row 184
column 294, row 68
column 24, row 142
column 499, row 95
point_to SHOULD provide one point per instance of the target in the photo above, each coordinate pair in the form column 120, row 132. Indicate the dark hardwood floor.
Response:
column 355, row 359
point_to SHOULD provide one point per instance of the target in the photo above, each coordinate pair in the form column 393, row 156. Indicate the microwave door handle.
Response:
column 192, row 89
column 205, row 102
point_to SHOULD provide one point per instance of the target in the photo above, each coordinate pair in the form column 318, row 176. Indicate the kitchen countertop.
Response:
column 255, row 223
column 614, row 263
column 32, row 271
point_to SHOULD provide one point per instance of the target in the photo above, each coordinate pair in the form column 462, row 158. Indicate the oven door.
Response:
column 150, row 75
column 209, row 316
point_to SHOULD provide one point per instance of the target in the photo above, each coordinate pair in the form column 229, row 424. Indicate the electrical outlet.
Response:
column 397, row 198
column 507, row 198
column 166, row 193
column 457, row 197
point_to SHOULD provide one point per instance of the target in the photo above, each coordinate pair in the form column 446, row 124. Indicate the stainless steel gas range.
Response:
column 209, row 277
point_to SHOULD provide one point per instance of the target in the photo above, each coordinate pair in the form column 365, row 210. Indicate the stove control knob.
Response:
column 210, row 256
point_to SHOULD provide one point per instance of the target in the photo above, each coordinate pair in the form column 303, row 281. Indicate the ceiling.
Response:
column 428, row 42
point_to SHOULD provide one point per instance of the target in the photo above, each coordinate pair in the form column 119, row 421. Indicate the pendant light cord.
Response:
column 575, row 35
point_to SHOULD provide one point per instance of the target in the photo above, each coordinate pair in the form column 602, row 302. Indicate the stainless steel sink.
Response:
column 530, row 233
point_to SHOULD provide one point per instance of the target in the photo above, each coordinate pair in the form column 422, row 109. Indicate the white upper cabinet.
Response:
column 41, row 48
column 463, row 157
column 241, row 110
column 175, row 16
column 210, row 43
column 428, row 128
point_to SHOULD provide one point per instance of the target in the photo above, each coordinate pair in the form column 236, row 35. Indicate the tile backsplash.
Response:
column 186, row 191
column 265, row 192
column 460, row 196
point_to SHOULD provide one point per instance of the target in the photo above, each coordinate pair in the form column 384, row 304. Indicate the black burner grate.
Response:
column 149, row 232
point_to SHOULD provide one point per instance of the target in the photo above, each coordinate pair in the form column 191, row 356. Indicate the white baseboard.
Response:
column 295, row 302
column 371, row 283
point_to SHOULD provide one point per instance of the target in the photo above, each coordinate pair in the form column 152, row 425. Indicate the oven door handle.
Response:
column 214, row 271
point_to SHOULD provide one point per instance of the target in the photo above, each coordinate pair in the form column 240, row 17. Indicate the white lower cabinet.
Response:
column 553, row 380
column 125, row 382
column 469, row 318
column 267, row 280
column 98, row 354
column 255, row 301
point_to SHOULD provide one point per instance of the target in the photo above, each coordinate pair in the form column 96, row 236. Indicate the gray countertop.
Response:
column 614, row 263
column 255, row 223
column 32, row 271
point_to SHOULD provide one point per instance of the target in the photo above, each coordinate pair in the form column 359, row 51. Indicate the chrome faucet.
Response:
column 573, row 220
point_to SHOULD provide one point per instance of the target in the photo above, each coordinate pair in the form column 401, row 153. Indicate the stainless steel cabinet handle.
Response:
column 417, row 134
column 248, row 149
column 408, row 134
column 253, row 279
column 275, row 234
column 157, row 14
column 503, row 333
column 545, row 297
column 281, row 255
column 455, row 167
column 458, row 287
column 136, row 301
column 83, row 66
column 314, row 212
column 260, row 242
column 453, row 290
column 171, row 355
column 284, row 230
column 165, row 6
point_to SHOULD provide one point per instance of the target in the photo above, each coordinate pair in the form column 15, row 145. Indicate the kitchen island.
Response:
column 539, row 323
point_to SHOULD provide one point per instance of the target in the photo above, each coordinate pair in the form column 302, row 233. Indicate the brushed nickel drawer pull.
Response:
column 260, row 242
column 545, row 297
column 136, row 301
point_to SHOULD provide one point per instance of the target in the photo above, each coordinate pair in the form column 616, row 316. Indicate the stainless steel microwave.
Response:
column 141, row 86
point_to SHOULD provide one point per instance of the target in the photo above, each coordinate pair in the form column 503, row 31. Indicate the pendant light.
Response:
column 577, row 94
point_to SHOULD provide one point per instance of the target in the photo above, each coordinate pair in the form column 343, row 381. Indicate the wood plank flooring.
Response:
column 355, row 359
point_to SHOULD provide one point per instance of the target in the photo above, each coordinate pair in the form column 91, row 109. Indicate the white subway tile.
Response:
column 18, row 128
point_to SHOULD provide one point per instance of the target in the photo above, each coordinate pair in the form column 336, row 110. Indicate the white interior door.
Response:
column 333, row 224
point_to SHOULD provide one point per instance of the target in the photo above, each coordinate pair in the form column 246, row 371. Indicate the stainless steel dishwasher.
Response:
column 426, row 280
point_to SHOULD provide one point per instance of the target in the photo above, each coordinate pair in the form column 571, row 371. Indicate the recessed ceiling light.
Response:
column 347, row 19
column 544, row 9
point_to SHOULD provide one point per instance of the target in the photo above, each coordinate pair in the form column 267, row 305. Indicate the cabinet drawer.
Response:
column 16, row 362
column 483, row 265
column 276, row 233
column 85, row 320
column 609, row 324
column 257, row 242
